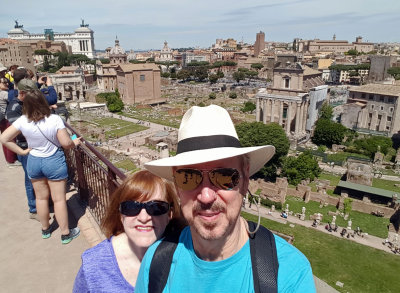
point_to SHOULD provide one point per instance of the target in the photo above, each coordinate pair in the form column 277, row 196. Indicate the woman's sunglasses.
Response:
column 153, row 208
column 223, row 178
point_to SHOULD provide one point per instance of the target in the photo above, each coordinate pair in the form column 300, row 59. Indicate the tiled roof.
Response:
column 375, row 88
column 138, row 67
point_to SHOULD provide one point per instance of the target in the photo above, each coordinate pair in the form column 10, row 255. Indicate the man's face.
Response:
column 212, row 212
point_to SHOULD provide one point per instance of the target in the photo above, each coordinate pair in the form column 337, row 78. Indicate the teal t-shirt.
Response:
column 191, row 274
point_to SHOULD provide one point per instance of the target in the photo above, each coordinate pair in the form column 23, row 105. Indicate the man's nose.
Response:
column 207, row 193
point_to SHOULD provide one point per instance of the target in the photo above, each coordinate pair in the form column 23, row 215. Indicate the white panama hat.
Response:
column 207, row 134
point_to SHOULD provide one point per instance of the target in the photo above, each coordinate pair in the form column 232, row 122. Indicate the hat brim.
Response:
column 258, row 155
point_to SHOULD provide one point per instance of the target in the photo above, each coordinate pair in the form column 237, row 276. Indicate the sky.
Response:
column 142, row 25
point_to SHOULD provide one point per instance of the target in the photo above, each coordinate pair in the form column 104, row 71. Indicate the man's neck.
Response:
column 220, row 249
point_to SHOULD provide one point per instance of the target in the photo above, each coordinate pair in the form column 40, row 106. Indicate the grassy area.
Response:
column 127, row 165
column 148, row 114
column 385, row 184
column 368, row 223
column 360, row 268
column 117, row 128
column 342, row 156
column 334, row 179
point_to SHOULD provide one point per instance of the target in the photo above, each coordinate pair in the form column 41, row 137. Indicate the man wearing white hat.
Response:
column 217, row 251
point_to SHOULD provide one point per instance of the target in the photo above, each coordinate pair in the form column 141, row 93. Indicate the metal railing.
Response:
column 94, row 176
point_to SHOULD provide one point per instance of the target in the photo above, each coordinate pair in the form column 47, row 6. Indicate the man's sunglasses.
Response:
column 153, row 208
column 223, row 178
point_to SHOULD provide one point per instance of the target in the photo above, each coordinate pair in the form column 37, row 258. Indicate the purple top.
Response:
column 100, row 271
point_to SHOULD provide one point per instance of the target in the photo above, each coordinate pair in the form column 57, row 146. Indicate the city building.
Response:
column 81, row 40
column 16, row 53
column 373, row 108
column 332, row 46
column 139, row 83
column 380, row 65
column 293, row 101
column 260, row 43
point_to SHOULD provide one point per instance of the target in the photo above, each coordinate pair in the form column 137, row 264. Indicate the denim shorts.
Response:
column 52, row 168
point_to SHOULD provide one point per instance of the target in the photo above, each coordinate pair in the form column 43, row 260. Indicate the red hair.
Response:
column 137, row 187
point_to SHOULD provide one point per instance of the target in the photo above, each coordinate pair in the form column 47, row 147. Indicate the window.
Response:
column 372, row 107
column 363, row 96
column 142, row 77
column 391, row 109
column 371, row 96
column 381, row 108
column 381, row 98
column 287, row 82
column 390, row 100
column 389, row 118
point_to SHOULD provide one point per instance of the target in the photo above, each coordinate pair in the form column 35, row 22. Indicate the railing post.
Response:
column 82, row 184
column 111, row 178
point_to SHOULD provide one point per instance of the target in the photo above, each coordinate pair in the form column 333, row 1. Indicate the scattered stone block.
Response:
column 291, row 225
column 339, row 284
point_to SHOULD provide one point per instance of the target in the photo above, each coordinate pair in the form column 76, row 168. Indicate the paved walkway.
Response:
column 27, row 262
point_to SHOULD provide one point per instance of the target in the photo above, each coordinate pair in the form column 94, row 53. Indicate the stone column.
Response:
column 272, row 110
column 280, row 112
column 289, row 117
column 297, row 126
column 301, row 117
column 374, row 120
column 264, row 118
column 305, row 110
column 258, row 109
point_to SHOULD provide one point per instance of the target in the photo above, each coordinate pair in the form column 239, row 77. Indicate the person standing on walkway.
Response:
column 218, row 251
column 136, row 217
column 46, row 166
column 14, row 111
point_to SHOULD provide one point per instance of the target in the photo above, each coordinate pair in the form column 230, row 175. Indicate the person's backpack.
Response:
column 264, row 260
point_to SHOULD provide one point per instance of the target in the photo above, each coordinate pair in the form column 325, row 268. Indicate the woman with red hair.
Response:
column 136, row 217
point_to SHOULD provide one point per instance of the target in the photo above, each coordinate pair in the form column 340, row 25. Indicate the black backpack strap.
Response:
column 162, row 258
column 264, row 260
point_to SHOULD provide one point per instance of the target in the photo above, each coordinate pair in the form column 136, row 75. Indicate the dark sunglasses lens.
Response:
column 130, row 208
column 225, row 178
column 188, row 179
column 156, row 208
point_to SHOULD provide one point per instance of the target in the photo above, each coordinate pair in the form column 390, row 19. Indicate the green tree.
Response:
column 248, row 107
column 352, row 52
column 165, row 74
column 258, row 134
column 213, row 78
column 106, row 61
column 328, row 132
column 114, row 103
column 183, row 74
column 46, row 64
column 370, row 145
column 62, row 59
column 303, row 167
column 232, row 95
column 212, row 96
column 395, row 72
column 326, row 112
column 201, row 73
column 238, row 76
column 42, row 52
column 220, row 74
column 257, row 66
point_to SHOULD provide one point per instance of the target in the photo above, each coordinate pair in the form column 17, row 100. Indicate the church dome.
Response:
column 117, row 49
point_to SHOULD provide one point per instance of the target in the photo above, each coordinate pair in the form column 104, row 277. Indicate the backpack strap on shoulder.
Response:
column 161, row 263
column 264, row 260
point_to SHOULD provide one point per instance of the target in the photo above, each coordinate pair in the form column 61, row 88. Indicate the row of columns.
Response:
column 373, row 123
column 83, row 44
column 271, row 110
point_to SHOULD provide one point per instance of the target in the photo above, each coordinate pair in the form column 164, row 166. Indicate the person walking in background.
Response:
column 136, row 217
column 46, row 165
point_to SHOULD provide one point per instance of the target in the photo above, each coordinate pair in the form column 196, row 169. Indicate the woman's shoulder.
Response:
column 98, row 252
